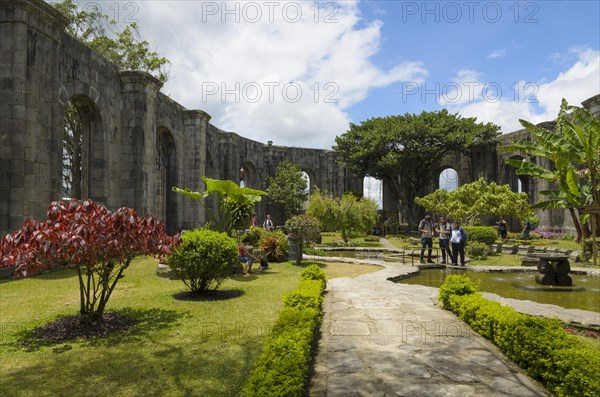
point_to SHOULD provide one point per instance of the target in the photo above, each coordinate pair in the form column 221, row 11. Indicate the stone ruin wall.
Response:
column 137, row 141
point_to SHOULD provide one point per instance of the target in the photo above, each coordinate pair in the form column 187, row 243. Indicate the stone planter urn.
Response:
column 293, row 248
column 554, row 269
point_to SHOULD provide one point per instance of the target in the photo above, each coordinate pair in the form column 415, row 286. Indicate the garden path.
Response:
column 380, row 338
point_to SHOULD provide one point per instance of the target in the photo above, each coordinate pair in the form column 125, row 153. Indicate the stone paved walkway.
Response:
column 380, row 338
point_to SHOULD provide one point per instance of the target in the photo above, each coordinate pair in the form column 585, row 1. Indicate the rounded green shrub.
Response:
column 204, row 259
column 455, row 284
column 255, row 235
column 482, row 234
column 477, row 250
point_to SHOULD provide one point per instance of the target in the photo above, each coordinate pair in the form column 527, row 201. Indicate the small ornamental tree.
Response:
column 304, row 228
column 348, row 214
column 98, row 243
column 474, row 200
column 288, row 188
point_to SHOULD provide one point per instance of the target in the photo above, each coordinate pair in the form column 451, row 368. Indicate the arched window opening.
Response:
column 82, row 146
column 307, row 178
column 71, row 159
column 247, row 175
column 373, row 188
column 448, row 179
column 167, row 164
column 519, row 185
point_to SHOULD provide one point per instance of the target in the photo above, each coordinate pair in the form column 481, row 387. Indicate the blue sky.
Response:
column 284, row 72
column 505, row 42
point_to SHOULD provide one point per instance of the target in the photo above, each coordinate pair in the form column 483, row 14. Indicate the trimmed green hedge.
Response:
column 482, row 234
column 566, row 364
column 282, row 369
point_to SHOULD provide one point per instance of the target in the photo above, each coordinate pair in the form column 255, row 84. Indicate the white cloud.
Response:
column 326, row 53
column 497, row 54
column 534, row 102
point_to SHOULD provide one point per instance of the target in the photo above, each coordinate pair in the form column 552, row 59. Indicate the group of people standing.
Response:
column 452, row 240
column 267, row 224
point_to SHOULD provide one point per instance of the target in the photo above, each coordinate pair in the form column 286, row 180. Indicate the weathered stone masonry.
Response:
column 137, row 142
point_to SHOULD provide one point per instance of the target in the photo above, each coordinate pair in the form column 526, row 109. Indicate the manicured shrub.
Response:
column 477, row 250
column 204, row 259
column 282, row 369
column 255, row 235
column 308, row 295
column 314, row 272
column 372, row 239
column 455, row 284
column 482, row 234
column 564, row 363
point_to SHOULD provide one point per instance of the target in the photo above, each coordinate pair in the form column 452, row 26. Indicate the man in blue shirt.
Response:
column 458, row 239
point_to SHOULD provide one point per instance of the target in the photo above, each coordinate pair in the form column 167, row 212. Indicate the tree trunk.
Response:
column 575, row 219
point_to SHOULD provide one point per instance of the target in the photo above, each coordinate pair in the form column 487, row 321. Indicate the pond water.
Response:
column 585, row 293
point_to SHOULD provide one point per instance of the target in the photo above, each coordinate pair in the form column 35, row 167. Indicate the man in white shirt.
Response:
column 268, row 224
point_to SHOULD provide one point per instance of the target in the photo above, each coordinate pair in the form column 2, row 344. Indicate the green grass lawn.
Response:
column 498, row 260
column 204, row 348
column 329, row 237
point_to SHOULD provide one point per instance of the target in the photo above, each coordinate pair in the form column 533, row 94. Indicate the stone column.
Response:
column 139, row 91
column 593, row 105
column 195, row 129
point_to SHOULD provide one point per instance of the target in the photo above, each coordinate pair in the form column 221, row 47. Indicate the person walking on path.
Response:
column 458, row 239
column 502, row 229
column 527, row 227
column 426, row 229
column 443, row 231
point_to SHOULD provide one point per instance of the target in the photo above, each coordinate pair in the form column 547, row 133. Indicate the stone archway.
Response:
column 517, row 183
column 248, row 175
column 166, row 164
column 84, row 163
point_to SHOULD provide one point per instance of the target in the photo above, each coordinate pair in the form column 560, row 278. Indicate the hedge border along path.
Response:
column 283, row 367
column 567, row 365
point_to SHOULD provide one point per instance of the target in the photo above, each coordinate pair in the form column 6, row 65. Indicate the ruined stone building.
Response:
column 136, row 141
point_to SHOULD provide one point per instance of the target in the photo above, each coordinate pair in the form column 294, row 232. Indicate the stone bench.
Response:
column 529, row 261
column 510, row 249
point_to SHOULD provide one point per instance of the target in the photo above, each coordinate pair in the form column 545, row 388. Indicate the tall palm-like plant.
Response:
column 234, row 208
column 574, row 148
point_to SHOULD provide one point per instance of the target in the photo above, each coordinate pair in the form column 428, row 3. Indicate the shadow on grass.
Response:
column 151, row 368
column 54, row 274
column 209, row 296
column 119, row 326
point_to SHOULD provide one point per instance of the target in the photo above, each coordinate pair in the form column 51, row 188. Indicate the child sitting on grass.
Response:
column 246, row 258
